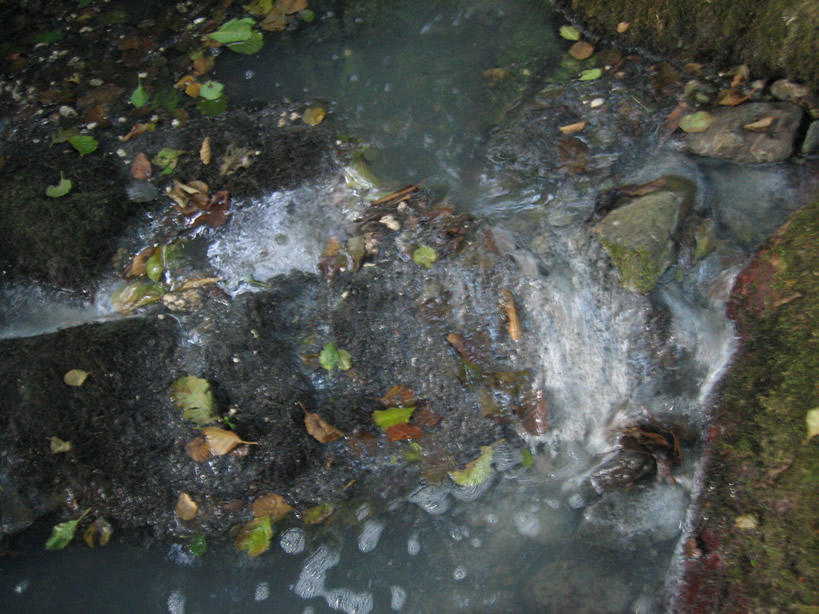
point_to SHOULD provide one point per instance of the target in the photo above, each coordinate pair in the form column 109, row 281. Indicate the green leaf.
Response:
column 259, row 7
column 84, row 143
column 156, row 264
column 414, row 452
column 812, row 422
column 385, row 418
column 134, row 295
column 211, row 90
column 167, row 159
column 212, row 107
column 696, row 122
column 570, row 33
column 424, row 256
column 317, row 513
column 75, row 377
column 139, row 97
column 345, row 361
column 249, row 46
column 193, row 395
column 307, row 16
column 167, row 98
column 526, row 458
column 63, row 533
column 233, row 31
column 61, row 189
column 52, row 36
column 475, row 471
column 62, row 135
column 254, row 536
column 591, row 74
column 331, row 357
column 198, row 545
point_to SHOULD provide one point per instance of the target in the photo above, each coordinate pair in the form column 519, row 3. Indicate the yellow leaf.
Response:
column 75, row 377
column 271, row 505
column 198, row 449
column 58, row 445
column 812, row 422
column 572, row 128
column 204, row 151
column 186, row 508
column 98, row 532
column 581, row 50
column 198, row 283
column 313, row 116
column 746, row 522
column 623, row 26
column 319, row 429
column 760, row 125
column 221, row 441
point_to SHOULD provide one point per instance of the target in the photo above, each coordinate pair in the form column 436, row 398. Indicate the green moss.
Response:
column 635, row 266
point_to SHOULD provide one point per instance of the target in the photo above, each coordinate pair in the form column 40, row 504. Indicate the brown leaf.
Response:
column 581, row 50
column 760, row 125
column 494, row 75
column 672, row 121
column 665, row 80
column 288, row 7
column 467, row 349
column 198, row 449
column 400, row 431
column 137, row 130
column 271, row 505
column 204, row 151
column 203, row 64
column 623, row 26
column 507, row 304
column 646, row 188
column 274, row 21
column 186, row 508
column 139, row 264
column 573, row 155
column 221, row 441
column 141, row 167
column 424, row 416
column 572, row 128
column 732, row 98
column 534, row 414
column 398, row 396
column 319, row 429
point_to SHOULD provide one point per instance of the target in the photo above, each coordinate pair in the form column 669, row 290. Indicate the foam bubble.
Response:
column 292, row 541
column 398, row 597
column 262, row 591
column 349, row 601
column 370, row 534
column 176, row 603
column 311, row 579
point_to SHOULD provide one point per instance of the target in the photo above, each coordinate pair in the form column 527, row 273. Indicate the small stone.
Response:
column 597, row 102
column 66, row 111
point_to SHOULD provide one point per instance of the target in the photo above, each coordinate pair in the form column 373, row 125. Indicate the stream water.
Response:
column 410, row 79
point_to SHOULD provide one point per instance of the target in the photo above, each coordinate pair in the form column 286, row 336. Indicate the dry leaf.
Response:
column 646, row 188
column 75, row 377
column 581, row 50
column 198, row 449
column 98, row 532
column 507, row 304
column 400, row 431
column 192, row 284
column 319, row 429
column 760, row 125
column 203, row 64
column 137, row 130
column 58, row 445
column 141, row 167
column 493, row 75
column 221, row 441
column 572, row 128
column 623, row 26
column 732, row 98
column 271, row 505
column 313, row 116
column 139, row 264
column 746, row 522
column 288, row 7
column 398, row 396
column 204, row 151
column 186, row 507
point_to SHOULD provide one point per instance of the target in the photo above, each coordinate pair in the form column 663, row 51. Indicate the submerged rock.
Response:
column 640, row 236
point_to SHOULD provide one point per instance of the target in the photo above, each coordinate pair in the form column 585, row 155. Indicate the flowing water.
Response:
column 409, row 78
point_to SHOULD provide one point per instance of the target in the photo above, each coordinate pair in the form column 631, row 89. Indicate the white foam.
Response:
column 262, row 591
column 292, row 541
column 398, row 597
column 176, row 603
column 370, row 534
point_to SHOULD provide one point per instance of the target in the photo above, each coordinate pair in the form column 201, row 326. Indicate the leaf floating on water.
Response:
column 385, row 418
column 696, row 122
column 198, row 545
column 233, row 31
column 477, row 471
column 186, row 508
column 204, row 151
column 98, row 533
column 424, row 256
column 271, row 505
column 61, row 189
column 198, row 449
column 193, row 395
column 211, row 90
column 139, row 97
column 572, row 128
column 526, row 458
column 320, row 430
column 732, row 98
column 646, row 188
column 63, row 533
column 75, row 377
column 249, row 46
column 58, row 445
column 760, row 125
column 167, row 159
column 570, row 33
column 141, row 167
column 590, row 75
column 398, row 396
column 581, row 50
column 84, row 143
column 317, row 513
column 399, row 432
column 812, row 423
column 507, row 304
column 254, row 536
column 313, row 116
column 331, row 357
column 221, row 441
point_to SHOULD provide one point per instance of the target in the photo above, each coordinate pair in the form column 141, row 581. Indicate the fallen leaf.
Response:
column 61, row 189
column 760, row 125
column 134, row 295
column 288, row 7
column 98, row 533
column 572, row 128
column 84, row 143
column 573, row 155
column 192, row 284
column 211, row 90
column 167, row 159
column 494, row 75
column 466, row 348
column 75, row 377
column 138, row 129
column 198, row 449
column 424, row 256
column 665, row 80
column 812, row 423
column 141, row 167
column 746, row 522
column 398, row 396
column 507, row 304
column 424, row 416
column 193, row 395
column 401, row 431
column 569, row 33
column 186, row 508
column 63, row 533
column 139, row 97
column 271, row 505
column 646, row 188
column 198, row 545
column 221, row 441
column 477, row 471
column 254, row 536
column 58, row 445
column 590, row 74
column 204, row 151
column 581, row 50
column 623, row 26
column 320, row 430
column 317, row 513
column 732, row 98
column 696, row 122
column 204, row 63
column 331, row 357
column 313, row 116
column 385, row 418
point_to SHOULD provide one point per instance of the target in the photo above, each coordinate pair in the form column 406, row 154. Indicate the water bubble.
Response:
column 292, row 541
column 21, row 587
column 413, row 545
column 262, row 591
column 459, row 573
column 370, row 534
column 362, row 512
column 311, row 579
column 527, row 524
column 458, row 533
column 476, row 542
column 349, row 602
column 176, row 603
column 491, row 519
column 432, row 499
column 249, row 74
column 398, row 597
column 576, row 501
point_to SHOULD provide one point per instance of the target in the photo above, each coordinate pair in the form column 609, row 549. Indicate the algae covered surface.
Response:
column 757, row 545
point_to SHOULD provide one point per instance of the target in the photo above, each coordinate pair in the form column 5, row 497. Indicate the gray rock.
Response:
column 728, row 139
column 810, row 146
column 15, row 513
